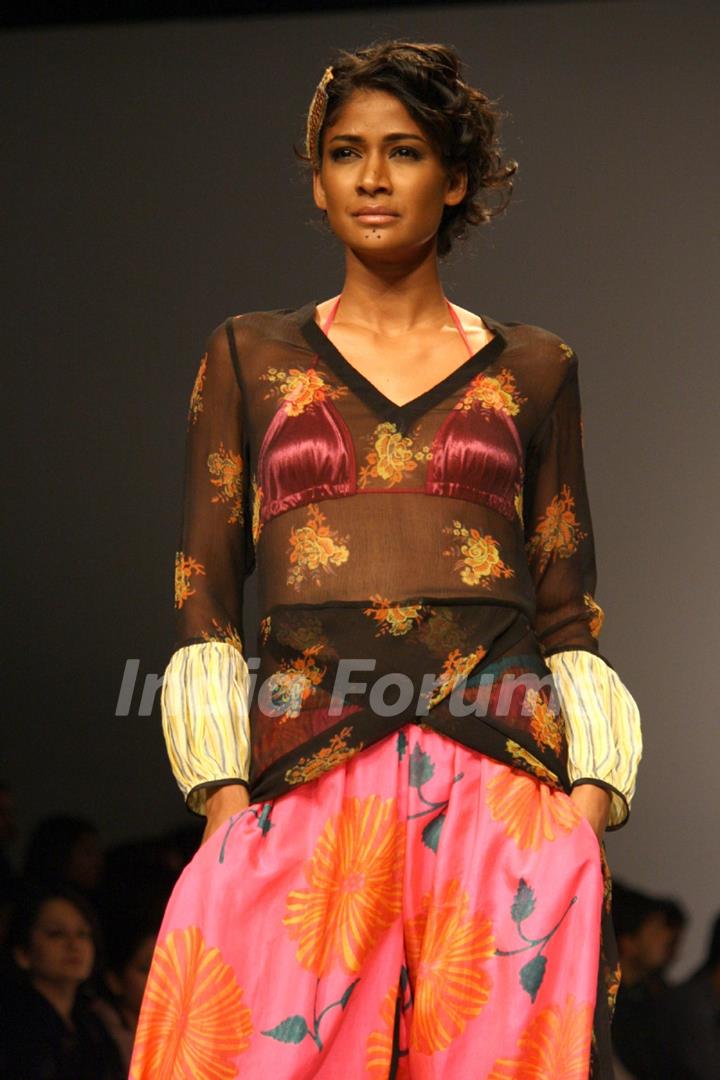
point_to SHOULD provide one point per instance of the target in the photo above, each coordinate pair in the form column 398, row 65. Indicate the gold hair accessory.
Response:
column 316, row 115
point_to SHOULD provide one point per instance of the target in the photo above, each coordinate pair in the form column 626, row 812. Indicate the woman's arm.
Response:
column 602, row 719
column 205, row 687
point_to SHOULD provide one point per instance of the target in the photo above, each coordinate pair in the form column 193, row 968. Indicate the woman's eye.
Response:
column 338, row 155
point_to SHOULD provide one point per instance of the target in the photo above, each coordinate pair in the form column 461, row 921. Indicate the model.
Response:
column 406, row 789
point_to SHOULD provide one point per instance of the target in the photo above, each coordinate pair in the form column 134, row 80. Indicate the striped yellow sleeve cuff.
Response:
column 205, row 718
column 602, row 724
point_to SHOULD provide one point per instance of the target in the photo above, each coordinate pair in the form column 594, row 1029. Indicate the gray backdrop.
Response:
column 151, row 191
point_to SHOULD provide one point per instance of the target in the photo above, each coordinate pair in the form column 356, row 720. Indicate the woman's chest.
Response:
column 316, row 435
column 405, row 367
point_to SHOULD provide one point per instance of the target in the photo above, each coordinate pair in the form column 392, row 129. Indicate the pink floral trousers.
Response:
column 420, row 910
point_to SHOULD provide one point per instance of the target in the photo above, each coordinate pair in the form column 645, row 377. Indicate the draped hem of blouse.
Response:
column 432, row 562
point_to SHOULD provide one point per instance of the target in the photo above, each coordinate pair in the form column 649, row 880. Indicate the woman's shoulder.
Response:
column 280, row 323
column 521, row 337
column 536, row 351
column 535, row 338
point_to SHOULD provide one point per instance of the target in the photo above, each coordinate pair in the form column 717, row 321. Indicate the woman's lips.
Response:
column 375, row 219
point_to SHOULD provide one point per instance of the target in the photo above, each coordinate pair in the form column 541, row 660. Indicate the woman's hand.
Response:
column 593, row 802
column 221, row 803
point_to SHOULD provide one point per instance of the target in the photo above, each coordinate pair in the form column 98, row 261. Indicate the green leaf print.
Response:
column 264, row 822
column 523, row 905
column 401, row 745
column 346, row 996
column 292, row 1030
column 431, row 832
column 531, row 975
column 421, row 767
column 524, row 902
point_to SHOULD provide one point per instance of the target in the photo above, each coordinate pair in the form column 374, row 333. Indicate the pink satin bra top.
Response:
column 308, row 454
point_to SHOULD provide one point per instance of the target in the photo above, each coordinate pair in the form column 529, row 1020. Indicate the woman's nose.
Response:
column 374, row 175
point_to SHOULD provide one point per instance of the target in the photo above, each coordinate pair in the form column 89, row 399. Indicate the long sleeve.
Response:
column 602, row 721
column 205, row 685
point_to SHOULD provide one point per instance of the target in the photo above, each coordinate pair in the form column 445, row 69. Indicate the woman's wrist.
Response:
column 226, row 799
column 593, row 802
column 221, row 803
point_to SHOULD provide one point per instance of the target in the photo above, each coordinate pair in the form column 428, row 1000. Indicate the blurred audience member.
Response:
column 48, row 1030
column 676, row 919
column 65, row 849
column 129, row 952
column 138, row 877
column 646, row 941
column 690, row 1019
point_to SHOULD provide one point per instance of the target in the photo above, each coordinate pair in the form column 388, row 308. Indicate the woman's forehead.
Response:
column 372, row 109
column 58, row 908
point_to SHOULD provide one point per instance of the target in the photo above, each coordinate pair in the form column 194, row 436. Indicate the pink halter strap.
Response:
column 456, row 319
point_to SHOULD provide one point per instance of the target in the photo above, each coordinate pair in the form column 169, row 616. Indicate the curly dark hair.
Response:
column 461, row 121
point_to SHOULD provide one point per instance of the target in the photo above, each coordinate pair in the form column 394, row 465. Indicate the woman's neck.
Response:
column 61, row 995
column 393, row 298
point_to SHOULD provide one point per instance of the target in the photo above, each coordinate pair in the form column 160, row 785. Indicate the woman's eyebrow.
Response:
column 394, row 137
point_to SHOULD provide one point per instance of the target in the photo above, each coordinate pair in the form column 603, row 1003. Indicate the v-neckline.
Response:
column 375, row 399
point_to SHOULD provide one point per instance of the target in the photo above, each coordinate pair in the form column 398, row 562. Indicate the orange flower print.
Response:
column 566, row 350
column 227, row 633
column 394, row 619
column 442, row 631
column 185, row 567
column 455, row 668
column 530, row 810
column 554, row 1046
column 301, row 630
column 193, row 1022
column 497, row 392
column 546, row 727
column 526, row 760
column 355, row 886
column 607, row 879
column 519, row 504
column 226, row 474
column 379, row 1043
column 446, row 947
column 598, row 615
column 196, row 399
column 326, row 758
column 300, row 388
column 558, row 532
column 315, row 548
column 292, row 684
column 613, row 978
column 391, row 456
column 477, row 555
column 257, row 496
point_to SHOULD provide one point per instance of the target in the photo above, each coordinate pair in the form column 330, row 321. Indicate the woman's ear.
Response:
column 457, row 184
column 21, row 957
column 318, row 191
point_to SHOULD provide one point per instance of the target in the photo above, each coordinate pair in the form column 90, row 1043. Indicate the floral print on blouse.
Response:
column 412, row 561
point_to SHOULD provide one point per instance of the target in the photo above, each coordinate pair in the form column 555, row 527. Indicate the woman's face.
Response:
column 130, row 983
column 375, row 154
column 85, row 862
column 61, row 947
